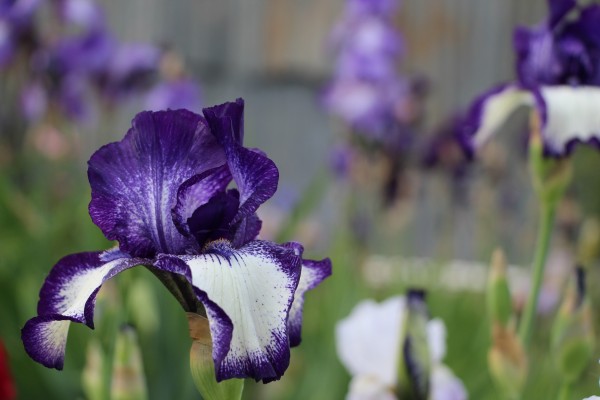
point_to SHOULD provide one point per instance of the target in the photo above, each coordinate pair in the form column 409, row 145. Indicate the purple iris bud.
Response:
column 558, row 75
column 162, row 194
column 175, row 94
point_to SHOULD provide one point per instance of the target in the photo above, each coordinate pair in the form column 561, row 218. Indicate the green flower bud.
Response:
column 92, row 377
column 507, row 360
column 551, row 176
column 128, row 379
column 499, row 300
column 572, row 333
column 202, row 365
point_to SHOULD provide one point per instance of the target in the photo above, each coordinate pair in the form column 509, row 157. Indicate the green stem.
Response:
column 548, row 210
column 565, row 391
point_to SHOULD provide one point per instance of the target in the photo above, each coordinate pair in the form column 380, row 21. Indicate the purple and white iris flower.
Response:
column 163, row 193
column 558, row 69
column 369, row 346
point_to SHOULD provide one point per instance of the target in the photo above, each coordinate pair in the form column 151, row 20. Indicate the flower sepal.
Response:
column 202, row 366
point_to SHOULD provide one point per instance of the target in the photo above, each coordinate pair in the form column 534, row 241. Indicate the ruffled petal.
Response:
column 313, row 273
column 197, row 191
column 68, row 294
column 247, row 294
column 572, row 115
column 135, row 181
column 255, row 175
column 489, row 112
column 368, row 341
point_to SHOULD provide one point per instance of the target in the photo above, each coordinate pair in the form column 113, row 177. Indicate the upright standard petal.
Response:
column 255, row 175
column 489, row 112
column 313, row 273
column 135, row 181
column 572, row 116
column 68, row 294
column 247, row 293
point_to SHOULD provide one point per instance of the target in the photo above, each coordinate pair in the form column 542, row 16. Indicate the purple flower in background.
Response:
column 367, row 93
column 174, row 94
column 163, row 194
column 558, row 71
column 16, row 19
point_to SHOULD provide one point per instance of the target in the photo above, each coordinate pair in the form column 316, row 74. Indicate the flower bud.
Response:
column 551, row 176
column 415, row 363
column 499, row 301
column 507, row 360
column 128, row 379
column 92, row 377
column 572, row 337
column 202, row 365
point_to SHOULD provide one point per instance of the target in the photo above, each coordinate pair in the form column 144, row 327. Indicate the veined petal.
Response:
column 368, row 341
column 572, row 115
column 255, row 175
column 313, row 273
column 489, row 112
column 247, row 293
column 135, row 181
column 197, row 191
column 68, row 294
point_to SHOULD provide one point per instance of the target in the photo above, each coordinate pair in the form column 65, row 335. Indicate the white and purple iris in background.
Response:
column 370, row 345
column 366, row 92
column 558, row 71
column 164, row 194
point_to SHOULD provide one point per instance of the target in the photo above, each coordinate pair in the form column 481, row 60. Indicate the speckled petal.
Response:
column 247, row 293
column 68, row 294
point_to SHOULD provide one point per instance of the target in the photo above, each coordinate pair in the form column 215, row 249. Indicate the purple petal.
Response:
column 246, row 230
column 197, row 191
column 313, row 273
column 232, row 113
column 559, row 9
column 135, row 181
column 247, row 293
column 68, row 294
column 255, row 175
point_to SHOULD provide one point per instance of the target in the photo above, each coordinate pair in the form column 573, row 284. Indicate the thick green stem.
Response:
column 541, row 252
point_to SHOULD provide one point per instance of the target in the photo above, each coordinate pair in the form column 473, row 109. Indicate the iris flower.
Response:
column 369, row 345
column 558, row 69
column 163, row 194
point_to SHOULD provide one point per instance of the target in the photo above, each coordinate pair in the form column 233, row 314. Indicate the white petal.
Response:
column 368, row 341
column 445, row 385
column 249, row 293
column 572, row 114
column 436, row 338
column 492, row 110
column 369, row 388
